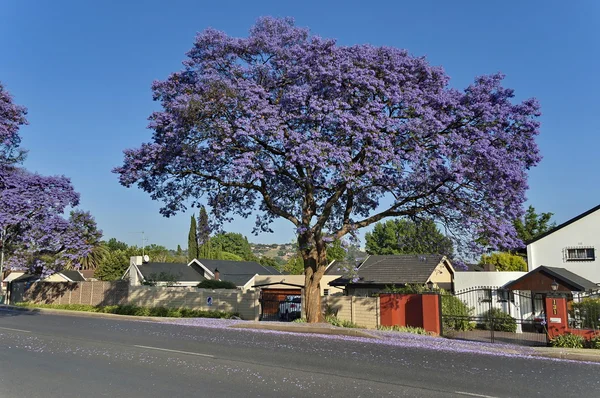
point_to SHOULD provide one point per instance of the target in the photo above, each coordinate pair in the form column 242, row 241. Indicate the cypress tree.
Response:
column 204, row 249
column 193, row 240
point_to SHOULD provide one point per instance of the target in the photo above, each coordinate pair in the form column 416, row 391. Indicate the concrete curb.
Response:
column 583, row 354
column 303, row 328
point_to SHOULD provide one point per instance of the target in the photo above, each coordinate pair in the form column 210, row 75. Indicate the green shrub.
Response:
column 455, row 313
column 213, row 284
column 595, row 342
column 500, row 320
column 335, row 321
column 568, row 340
column 299, row 320
column 404, row 329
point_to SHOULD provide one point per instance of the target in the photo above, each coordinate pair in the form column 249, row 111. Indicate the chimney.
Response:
column 136, row 260
column 489, row 267
column 217, row 274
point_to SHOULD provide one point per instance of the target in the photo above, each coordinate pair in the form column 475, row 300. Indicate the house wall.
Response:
column 551, row 250
column 442, row 276
column 55, row 278
column 471, row 279
column 363, row 311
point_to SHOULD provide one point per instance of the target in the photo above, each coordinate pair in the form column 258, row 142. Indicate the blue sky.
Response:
column 84, row 69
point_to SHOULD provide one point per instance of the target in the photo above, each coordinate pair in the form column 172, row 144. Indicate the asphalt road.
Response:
column 66, row 356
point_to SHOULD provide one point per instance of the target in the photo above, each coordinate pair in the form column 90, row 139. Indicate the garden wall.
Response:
column 121, row 293
column 227, row 300
column 91, row 293
column 363, row 311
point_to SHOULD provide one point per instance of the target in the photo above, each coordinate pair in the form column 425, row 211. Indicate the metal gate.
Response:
column 495, row 315
column 269, row 308
column 280, row 305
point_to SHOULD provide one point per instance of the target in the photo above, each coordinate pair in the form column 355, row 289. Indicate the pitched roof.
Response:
column 567, row 277
column 571, row 221
column 338, row 268
column 180, row 272
column 398, row 269
column 238, row 272
column 74, row 275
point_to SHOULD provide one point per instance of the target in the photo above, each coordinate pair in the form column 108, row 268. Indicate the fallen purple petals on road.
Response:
column 394, row 339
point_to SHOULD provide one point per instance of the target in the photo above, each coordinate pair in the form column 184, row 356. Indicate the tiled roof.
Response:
column 238, row 272
column 398, row 269
column 180, row 272
column 75, row 276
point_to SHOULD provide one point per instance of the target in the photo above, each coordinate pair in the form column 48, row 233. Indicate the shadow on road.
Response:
column 6, row 312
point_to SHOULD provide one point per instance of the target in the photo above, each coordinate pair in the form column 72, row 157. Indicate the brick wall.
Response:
column 363, row 311
column 246, row 304
column 92, row 293
column 115, row 293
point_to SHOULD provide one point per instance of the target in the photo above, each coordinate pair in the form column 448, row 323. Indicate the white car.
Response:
column 290, row 308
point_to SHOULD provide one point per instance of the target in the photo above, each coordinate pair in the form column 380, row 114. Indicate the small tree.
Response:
column 408, row 237
column 193, row 251
column 505, row 261
column 530, row 226
column 204, row 240
column 295, row 126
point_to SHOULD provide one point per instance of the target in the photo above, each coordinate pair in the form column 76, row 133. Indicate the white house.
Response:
column 572, row 245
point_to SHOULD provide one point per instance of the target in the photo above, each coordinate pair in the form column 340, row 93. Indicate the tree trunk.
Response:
column 315, row 262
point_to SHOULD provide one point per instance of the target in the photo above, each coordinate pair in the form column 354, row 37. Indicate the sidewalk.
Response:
column 326, row 330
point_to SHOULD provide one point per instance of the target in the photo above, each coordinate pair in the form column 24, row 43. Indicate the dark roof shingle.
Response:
column 398, row 269
column 238, row 272
column 181, row 272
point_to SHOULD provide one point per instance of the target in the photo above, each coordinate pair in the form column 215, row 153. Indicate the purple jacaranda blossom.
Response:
column 301, row 229
column 34, row 232
column 295, row 126
column 328, row 239
column 12, row 116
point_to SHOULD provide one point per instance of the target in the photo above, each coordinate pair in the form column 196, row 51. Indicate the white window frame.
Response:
column 580, row 253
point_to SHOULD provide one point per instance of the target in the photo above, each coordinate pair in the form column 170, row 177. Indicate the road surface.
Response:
column 69, row 356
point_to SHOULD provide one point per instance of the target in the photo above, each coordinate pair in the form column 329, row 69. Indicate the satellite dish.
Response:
column 146, row 258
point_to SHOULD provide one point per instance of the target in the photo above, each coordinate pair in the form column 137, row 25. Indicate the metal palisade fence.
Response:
column 495, row 315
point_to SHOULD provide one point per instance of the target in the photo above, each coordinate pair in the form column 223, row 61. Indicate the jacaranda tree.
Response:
column 33, row 231
column 333, row 138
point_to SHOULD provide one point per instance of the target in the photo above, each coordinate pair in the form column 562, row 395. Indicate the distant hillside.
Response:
column 282, row 252
column 278, row 252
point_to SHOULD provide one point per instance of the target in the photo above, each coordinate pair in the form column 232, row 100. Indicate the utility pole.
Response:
column 144, row 240
column 2, row 234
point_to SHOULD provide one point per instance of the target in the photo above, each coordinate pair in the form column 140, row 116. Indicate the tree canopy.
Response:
column 408, row 237
column 285, row 124
column 504, row 261
column 34, row 232
column 234, row 243
column 532, row 225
